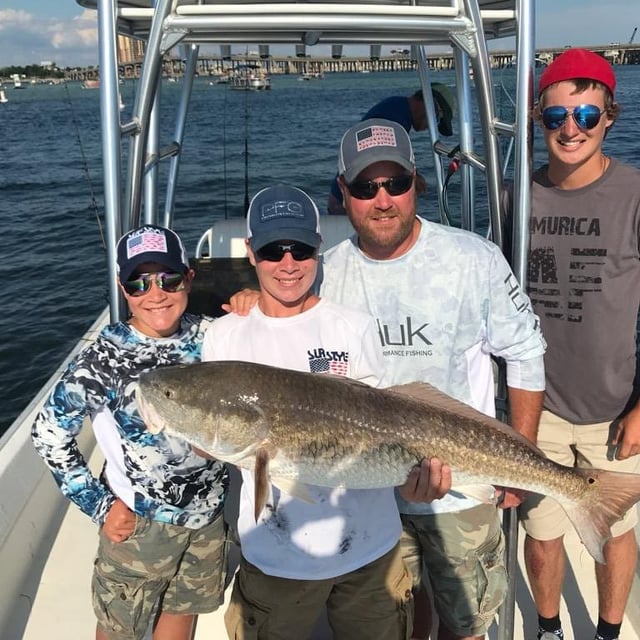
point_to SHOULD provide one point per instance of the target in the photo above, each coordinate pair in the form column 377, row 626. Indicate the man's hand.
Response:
column 627, row 438
column 120, row 522
column 428, row 482
column 508, row 498
column 242, row 302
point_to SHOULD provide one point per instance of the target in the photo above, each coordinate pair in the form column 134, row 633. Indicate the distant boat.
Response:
column 91, row 84
column 17, row 83
column 250, row 77
column 311, row 75
column 3, row 96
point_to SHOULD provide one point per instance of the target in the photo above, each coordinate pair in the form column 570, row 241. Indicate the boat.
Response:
column 3, row 97
column 311, row 75
column 91, row 84
column 249, row 77
column 47, row 545
column 17, row 82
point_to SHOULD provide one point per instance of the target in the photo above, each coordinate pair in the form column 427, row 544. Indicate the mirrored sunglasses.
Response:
column 586, row 116
column 168, row 281
column 367, row 189
column 274, row 251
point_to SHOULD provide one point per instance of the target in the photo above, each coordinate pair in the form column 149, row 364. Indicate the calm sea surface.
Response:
column 53, row 260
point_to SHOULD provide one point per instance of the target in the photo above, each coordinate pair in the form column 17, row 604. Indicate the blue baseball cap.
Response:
column 282, row 213
column 150, row 243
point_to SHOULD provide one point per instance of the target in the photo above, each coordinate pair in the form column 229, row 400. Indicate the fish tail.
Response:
column 610, row 496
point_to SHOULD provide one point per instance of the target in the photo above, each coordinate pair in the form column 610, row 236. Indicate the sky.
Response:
column 60, row 31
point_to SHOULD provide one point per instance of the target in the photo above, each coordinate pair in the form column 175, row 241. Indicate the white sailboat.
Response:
column 47, row 546
column 17, row 82
column 3, row 97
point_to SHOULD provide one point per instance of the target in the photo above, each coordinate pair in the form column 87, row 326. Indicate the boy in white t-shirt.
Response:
column 340, row 550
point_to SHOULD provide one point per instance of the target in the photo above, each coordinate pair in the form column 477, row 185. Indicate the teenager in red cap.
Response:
column 584, row 283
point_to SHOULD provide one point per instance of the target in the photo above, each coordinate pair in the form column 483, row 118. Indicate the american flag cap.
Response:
column 371, row 141
column 150, row 243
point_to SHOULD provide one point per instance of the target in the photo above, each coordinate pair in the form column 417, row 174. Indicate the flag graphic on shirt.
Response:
column 325, row 365
column 375, row 136
column 149, row 240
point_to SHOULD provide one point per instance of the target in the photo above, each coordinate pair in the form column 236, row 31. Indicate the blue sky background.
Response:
column 32, row 31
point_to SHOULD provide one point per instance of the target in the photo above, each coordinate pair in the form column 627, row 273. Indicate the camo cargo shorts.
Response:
column 184, row 567
column 464, row 557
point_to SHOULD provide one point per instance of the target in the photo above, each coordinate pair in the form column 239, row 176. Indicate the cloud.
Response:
column 29, row 39
column 83, row 32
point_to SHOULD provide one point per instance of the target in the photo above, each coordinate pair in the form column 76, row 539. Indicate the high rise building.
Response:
column 130, row 50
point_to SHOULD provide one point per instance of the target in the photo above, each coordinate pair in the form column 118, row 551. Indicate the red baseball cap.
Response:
column 578, row 63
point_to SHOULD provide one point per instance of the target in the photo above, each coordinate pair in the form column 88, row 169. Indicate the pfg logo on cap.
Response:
column 281, row 209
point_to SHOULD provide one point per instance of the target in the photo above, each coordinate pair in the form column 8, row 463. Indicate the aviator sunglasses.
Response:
column 367, row 189
column 274, row 251
column 168, row 281
column 586, row 116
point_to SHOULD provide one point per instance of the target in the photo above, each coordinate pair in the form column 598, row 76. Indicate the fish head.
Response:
column 201, row 405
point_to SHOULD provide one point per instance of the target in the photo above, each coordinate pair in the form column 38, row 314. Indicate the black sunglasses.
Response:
column 168, row 281
column 274, row 251
column 367, row 189
column 586, row 116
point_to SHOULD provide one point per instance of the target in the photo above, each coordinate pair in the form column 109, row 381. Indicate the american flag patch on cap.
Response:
column 149, row 240
column 375, row 136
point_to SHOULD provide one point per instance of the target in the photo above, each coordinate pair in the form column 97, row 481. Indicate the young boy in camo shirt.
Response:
column 157, row 503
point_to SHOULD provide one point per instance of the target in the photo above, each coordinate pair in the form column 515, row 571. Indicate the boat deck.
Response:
column 62, row 605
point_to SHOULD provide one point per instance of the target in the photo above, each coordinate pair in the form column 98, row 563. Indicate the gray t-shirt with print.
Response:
column 584, row 284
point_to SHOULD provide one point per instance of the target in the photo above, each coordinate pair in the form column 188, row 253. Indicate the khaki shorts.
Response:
column 573, row 445
column 370, row 603
column 463, row 554
column 184, row 567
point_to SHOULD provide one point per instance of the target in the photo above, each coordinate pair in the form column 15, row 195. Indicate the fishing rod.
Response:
column 246, row 149
column 85, row 165
column 224, row 151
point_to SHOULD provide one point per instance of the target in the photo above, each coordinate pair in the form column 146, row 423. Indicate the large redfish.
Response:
column 331, row 431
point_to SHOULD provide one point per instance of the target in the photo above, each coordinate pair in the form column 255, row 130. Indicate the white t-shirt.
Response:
column 441, row 310
column 341, row 530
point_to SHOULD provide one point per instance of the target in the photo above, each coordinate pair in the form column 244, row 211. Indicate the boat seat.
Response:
column 222, row 267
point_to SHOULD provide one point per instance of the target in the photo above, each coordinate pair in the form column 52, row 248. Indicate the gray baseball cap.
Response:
column 374, row 140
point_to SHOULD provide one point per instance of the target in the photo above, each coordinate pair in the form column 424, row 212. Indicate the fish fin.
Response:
column 480, row 492
column 611, row 495
column 261, row 481
column 294, row 488
column 427, row 394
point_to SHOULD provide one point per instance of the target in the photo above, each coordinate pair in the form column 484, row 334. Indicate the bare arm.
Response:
column 525, row 409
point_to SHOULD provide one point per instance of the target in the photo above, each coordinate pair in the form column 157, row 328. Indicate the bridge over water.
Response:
column 217, row 64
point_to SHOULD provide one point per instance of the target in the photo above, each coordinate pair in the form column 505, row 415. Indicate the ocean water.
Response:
column 53, row 258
